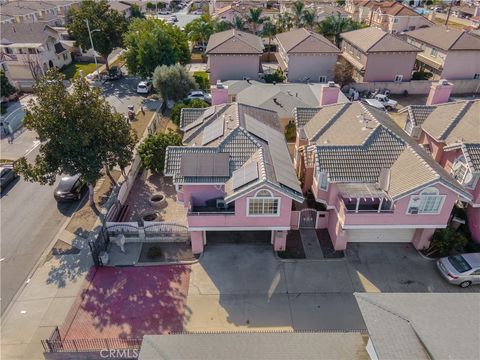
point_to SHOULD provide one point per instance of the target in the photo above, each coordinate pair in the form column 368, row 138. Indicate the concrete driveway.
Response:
column 245, row 287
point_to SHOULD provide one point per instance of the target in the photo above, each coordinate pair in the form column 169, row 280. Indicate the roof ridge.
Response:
column 376, row 42
column 308, row 34
column 224, row 41
column 330, row 121
column 456, row 119
column 461, row 34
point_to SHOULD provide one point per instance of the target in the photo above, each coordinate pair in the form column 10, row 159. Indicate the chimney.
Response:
column 439, row 92
column 476, row 12
column 329, row 93
column 219, row 93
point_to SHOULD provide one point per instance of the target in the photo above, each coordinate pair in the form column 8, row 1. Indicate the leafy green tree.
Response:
column 284, row 22
column 269, row 31
column 277, row 77
column 150, row 6
column 254, row 18
column 201, row 77
column 297, row 10
column 135, row 12
column 222, row 25
column 238, row 23
column 111, row 26
column 152, row 149
column 309, row 18
column 200, row 30
column 151, row 43
column 6, row 89
column 343, row 73
column 173, row 82
column 334, row 25
column 78, row 131
column 179, row 105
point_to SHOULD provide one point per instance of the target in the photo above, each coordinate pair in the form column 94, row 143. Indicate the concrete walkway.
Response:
column 310, row 243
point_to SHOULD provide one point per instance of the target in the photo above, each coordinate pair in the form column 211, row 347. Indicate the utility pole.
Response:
column 93, row 49
column 448, row 13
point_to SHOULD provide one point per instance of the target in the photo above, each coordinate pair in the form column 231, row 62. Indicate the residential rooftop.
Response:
column 234, row 42
column 374, row 40
column 25, row 33
column 446, row 38
column 301, row 41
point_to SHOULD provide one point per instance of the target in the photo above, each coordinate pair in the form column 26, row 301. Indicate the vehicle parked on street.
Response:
column 164, row 12
column 462, row 270
column 199, row 48
column 69, row 188
column 198, row 12
column 199, row 94
column 386, row 101
column 173, row 18
column 115, row 73
column 144, row 87
column 7, row 175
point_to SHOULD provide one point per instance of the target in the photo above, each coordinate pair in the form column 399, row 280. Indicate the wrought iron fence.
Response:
column 98, row 246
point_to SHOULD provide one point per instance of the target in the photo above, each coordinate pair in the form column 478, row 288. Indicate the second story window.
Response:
column 322, row 179
column 434, row 52
column 476, row 76
column 429, row 201
column 461, row 172
column 263, row 204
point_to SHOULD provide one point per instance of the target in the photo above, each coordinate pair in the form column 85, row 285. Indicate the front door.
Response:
column 308, row 218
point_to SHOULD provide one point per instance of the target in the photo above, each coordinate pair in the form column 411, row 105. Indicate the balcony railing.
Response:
column 210, row 210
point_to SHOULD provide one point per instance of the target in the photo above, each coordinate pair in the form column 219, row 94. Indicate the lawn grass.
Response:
column 73, row 70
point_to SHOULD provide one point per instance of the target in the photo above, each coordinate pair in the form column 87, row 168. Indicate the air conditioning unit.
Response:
column 221, row 204
column 413, row 210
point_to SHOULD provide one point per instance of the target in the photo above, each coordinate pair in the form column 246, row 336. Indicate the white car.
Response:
column 198, row 12
column 173, row 18
column 375, row 103
column 144, row 87
column 386, row 101
column 163, row 12
column 199, row 94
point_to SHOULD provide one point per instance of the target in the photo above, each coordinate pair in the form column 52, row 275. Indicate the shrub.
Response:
column 201, row 77
column 290, row 131
column 422, row 75
column 152, row 149
column 277, row 77
column 445, row 241
column 177, row 108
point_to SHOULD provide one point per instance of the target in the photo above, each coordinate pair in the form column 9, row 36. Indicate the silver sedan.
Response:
column 462, row 270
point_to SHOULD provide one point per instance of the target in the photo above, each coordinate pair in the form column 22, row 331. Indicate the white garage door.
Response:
column 380, row 235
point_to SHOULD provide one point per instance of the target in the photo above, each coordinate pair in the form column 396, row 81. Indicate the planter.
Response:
column 150, row 216
column 157, row 201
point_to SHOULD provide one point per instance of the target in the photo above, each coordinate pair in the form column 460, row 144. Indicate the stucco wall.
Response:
column 311, row 66
column 199, row 194
column 223, row 67
column 461, row 65
column 384, row 67
column 419, row 87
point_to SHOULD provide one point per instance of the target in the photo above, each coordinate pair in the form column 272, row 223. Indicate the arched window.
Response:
column 429, row 191
column 263, row 193
column 263, row 204
column 429, row 201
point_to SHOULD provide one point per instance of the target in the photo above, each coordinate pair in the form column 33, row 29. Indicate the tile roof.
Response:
column 254, row 345
column 422, row 325
column 19, row 33
column 304, row 41
column 393, row 8
column 446, row 38
column 354, row 142
column 454, row 122
column 234, row 42
column 247, row 133
column 472, row 152
column 376, row 40
column 418, row 113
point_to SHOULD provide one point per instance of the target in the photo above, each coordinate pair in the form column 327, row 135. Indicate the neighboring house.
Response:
column 6, row 19
column 29, row 50
column 325, row 10
column 306, row 56
column 122, row 7
column 378, row 56
column 234, row 174
column 421, row 326
column 373, row 181
column 390, row 16
column 51, row 12
column 234, row 55
column 229, row 12
column 447, row 53
column 281, row 98
column 450, row 132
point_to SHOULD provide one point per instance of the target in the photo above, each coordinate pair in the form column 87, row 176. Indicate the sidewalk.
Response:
column 45, row 300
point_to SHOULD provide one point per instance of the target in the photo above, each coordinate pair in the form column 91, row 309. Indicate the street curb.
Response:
column 425, row 257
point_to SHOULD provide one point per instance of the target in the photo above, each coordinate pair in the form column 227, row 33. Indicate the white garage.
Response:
column 380, row 235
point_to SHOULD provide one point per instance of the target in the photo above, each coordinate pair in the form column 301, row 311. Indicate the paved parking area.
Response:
column 242, row 287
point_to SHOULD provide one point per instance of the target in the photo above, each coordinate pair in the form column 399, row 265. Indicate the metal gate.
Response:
column 98, row 246
column 308, row 218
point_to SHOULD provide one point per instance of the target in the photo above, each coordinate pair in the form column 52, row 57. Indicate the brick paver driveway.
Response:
column 130, row 302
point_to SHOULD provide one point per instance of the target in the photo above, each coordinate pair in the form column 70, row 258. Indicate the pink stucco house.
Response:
column 378, row 56
column 234, row 174
column 376, row 184
column 450, row 132
column 234, row 55
column 447, row 53
column 306, row 56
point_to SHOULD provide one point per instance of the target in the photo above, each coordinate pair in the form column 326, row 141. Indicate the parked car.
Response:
column 199, row 94
column 198, row 12
column 114, row 73
column 375, row 103
column 462, row 270
column 7, row 175
column 144, row 87
column 173, row 18
column 69, row 188
column 199, row 48
column 386, row 101
column 163, row 12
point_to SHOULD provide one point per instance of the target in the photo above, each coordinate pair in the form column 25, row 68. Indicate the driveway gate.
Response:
column 308, row 218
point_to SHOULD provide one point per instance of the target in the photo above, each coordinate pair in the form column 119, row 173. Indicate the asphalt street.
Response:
column 30, row 216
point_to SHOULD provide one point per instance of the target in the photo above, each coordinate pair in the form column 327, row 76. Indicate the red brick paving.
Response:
column 130, row 302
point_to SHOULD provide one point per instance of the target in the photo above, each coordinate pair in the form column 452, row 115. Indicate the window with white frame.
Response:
column 322, row 79
column 462, row 173
column 398, row 78
column 321, row 178
column 434, row 52
column 429, row 201
column 263, row 204
column 476, row 76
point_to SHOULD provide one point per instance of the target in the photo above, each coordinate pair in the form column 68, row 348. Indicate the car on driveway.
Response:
column 144, row 87
column 7, row 175
column 69, row 188
column 200, row 95
column 386, row 101
column 462, row 270
column 114, row 73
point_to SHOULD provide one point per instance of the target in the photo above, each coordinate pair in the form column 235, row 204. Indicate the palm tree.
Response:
column 284, row 22
column 297, row 8
column 309, row 17
column 334, row 25
column 269, row 30
column 254, row 18
column 199, row 30
column 222, row 25
column 238, row 23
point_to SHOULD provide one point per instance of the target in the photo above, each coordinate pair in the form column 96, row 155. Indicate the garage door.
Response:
column 240, row 237
column 383, row 235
